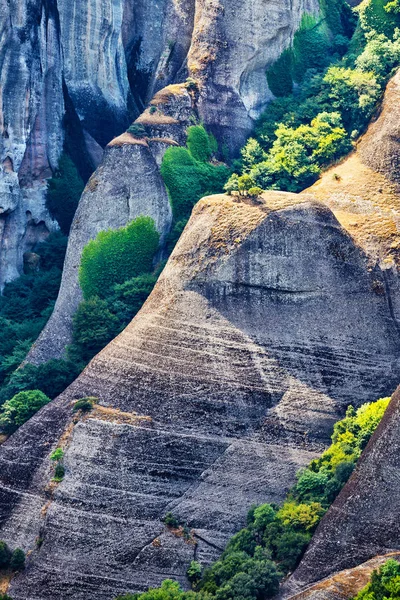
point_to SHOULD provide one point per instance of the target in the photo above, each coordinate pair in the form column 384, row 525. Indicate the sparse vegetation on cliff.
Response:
column 276, row 537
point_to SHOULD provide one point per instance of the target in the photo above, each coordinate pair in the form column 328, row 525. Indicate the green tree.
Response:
column 194, row 572
column 20, row 408
column 17, row 562
column 94, row 326
column 63, row 193
column 5, row 555
column 198, row 143
column 116, row 256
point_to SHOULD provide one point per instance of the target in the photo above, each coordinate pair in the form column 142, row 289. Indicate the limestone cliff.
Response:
column 100, row 63
column 251, row 345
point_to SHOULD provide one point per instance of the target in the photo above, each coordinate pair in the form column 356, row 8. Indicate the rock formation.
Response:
column 100, row 63
column 347, row 583
column 251, row 345
column 364, row 519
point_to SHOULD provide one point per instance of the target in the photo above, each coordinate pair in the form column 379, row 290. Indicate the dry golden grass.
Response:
column 156, row 119
column 366, row 204
column 161, row 140
column 165, row 95
column 5, row 578
column 114, row 415
column 346, row 584
column 127, row 138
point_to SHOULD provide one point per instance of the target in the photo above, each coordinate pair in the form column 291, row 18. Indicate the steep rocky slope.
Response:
column 99, row 64
column 364, row 519
column 252, row 343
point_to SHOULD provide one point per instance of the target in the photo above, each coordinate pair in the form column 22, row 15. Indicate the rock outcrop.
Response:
column 346, row 584
column 250, row 346
column 364, row 519
column 100, row 63
column 126, row 185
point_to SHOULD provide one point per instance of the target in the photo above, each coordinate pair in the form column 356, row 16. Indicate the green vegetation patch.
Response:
column 188, row 174
column 118, row 255
column 384, row 584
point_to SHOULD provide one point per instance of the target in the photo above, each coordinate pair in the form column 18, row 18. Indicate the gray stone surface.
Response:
column 251, row 345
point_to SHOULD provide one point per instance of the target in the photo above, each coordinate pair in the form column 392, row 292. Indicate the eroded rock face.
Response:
column 126, row 185
column 251, row 345
column 233, row 44
column 102, row 61
column 364, row 520
column 379, row 148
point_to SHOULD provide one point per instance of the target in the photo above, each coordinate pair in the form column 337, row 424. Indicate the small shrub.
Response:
column 59, row 473
column 57, row 455
column 194, row 572
column 255, row 192
column 85, row 405
column 5, row 555
column 191, row 84
column 137, row 130
column 152, row 110
column 170, row 520
column 17, row 562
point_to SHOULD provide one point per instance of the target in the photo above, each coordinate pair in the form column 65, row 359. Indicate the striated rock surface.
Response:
column 345, row 584
column 228, row 381
column 379, row 148
column 233, row 43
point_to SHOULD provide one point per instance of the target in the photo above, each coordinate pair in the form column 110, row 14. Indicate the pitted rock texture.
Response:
column 379, row 148
column 250, row 346
column 103, row 60
column 126, row 185
column 345, row 584
column 365, row 518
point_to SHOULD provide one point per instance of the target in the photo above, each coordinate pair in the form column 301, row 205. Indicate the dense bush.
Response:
column 187, row 173
column 17, row 562
column 25, row 306
column 64, row 192
column 118, row 255
column 276, row 537
column 20, row 408
column 51, row 378
column 94, row 326
column 198, row 143
column 384, row 584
